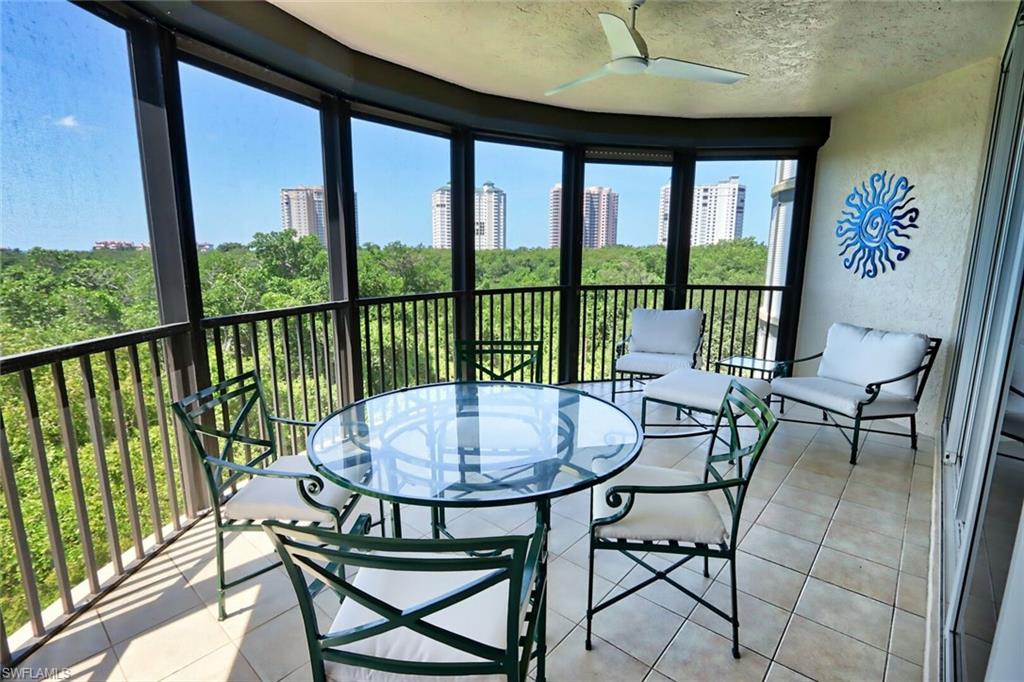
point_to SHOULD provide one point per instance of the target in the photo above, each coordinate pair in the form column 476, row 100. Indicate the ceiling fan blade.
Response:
column 677, row 68
column 603, row 71
column 620, row 38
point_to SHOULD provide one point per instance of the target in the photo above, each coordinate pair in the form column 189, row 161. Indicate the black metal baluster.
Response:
column 165, row 437
column 117, row 407
column 301, row 347
column 92, row 413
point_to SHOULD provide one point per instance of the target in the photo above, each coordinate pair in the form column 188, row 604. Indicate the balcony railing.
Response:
column 95, row 476
column 90, row 475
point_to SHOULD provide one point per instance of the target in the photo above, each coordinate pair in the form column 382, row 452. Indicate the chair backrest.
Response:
column 739, row 402
column 677, row 332
column 488, row 563
column 502, row 360
column 229, row 422
column 862, row 355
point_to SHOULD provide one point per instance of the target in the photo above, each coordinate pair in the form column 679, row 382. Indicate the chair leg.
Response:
column 613, row 385
column 221, row 613
column 735, row 610
column 782, row 406
column 590, row 590
column 824, row 416
column 855, row 441
column 707, row 573
column 643, row 415
column 913, row 431
column 383, row 531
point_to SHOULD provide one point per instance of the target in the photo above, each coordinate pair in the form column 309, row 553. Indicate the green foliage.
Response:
column 53, row 297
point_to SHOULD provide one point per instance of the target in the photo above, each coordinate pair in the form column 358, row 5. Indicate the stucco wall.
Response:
column 936, row 134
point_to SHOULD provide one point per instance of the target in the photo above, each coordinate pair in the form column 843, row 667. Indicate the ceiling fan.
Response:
column 629, row 57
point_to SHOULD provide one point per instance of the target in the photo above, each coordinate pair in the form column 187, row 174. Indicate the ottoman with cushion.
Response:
column 694, row 389
column 661, row 341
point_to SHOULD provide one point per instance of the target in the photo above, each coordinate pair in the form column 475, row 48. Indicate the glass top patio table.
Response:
column 474, row 444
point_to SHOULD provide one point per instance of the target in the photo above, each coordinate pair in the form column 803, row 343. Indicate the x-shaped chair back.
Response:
column 502, row 360
column 739, row 402
column 324, row 555
column 221, row 418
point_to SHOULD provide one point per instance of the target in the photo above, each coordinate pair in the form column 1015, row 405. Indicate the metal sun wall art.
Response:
column 877, row 214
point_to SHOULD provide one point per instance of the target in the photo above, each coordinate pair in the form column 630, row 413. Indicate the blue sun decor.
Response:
column 877, row 214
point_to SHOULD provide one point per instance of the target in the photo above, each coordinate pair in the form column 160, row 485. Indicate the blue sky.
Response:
column 71, row 173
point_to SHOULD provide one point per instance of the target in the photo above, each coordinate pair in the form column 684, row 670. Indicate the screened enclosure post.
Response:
column 342, row 247
column 789, row 312
column 463, row 241
column 571, row 263
column 172, row 236
column 680, row 219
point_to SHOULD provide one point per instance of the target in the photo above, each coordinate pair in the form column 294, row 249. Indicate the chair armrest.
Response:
column 788, row 364
column 294, row 422
column 875, row 387
column 615, row 493
column 622, row 345
column 313, row 483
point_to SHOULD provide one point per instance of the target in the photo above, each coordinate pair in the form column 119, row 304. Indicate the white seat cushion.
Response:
column 482, row 617
column 686, row 517
column 699, row 389
column 652, row 363
column 676, row 332
column 858, row 355
column 841, row 397
column 263, row 497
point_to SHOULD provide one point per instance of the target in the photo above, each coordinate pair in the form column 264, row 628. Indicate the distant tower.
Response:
column 489, row 206
column 302, row 210
column 441, row 216
column 778, row 255
column 555, row 217
column 718, row 212
column 489, row 217
column 600, row 217
column 663, row 204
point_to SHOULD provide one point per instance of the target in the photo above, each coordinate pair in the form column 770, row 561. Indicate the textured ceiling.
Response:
column 804, row 57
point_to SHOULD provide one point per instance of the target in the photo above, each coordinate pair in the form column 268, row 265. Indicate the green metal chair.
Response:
column 234, row 436
column 418, row 607
column 502, row 360
column 668, row 511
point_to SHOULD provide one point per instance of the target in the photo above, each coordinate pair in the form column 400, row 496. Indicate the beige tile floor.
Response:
column 832, row 575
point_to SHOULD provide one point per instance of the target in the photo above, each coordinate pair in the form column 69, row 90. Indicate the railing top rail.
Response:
column 376, row 300
column 735, row 287
column 520, row 290
column 621, row 287
column 272, row 314
column 46, row 356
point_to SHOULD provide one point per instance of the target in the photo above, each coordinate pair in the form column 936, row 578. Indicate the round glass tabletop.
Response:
column 474, row 443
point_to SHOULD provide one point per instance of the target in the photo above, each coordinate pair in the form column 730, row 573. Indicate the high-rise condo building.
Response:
column 489, row 207
column 302, row 210
column 555, row 217
column 489, row 217
column 717, row 212
column 441, row 217
column 663, row 205
column 779, row 230
column 600, row 217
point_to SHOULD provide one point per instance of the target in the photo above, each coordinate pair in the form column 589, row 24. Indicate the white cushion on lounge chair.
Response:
column 666, row 331
column 263, row 497
column 859, row 355
column 699, row 389
column 685, row 517
column 652, row 363
column 841, row 397
column 482, row 617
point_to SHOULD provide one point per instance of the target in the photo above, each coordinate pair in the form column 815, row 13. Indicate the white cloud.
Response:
column 68, row 121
